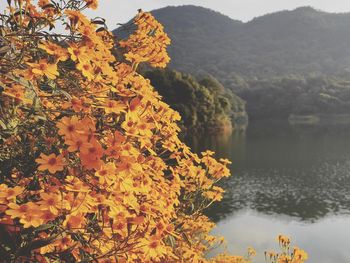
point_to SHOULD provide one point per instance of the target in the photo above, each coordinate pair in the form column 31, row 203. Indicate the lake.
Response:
column 292, row 180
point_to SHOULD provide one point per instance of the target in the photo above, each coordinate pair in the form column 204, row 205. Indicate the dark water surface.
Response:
column 286, row 180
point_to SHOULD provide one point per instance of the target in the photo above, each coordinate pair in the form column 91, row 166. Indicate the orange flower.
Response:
column 94, row 151
column 283, row 240
column 113, row 152
column 113, row 106
column 10, row 193
column 43, row 68
column 29, row 214
column 75, row 185
column 88, row 125
column 68, row 126
column 55, row 50
column 17, row 211
column 78, row 53
column 74, row 221
column 50, row 162
column 76, row 143
column 115, row 139
column 299, row 255
column 152, row 247
column 129, row 165
column 144, row 128
column 33, row 218
column 86, row 69
column 64, row 243
column 107, row 173
column 51, row 202
column 129, row 125
column 77, row 104
column 135, row 104
column 47, row 216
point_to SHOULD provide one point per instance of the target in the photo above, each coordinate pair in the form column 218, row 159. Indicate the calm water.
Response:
column 286, row 180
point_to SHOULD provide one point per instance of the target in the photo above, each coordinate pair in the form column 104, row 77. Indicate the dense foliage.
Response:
column 204, row 105
column 91, row 167
column 324, row 96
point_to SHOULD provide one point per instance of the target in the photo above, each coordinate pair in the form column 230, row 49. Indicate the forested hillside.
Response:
column 204, row 104
column 288, row 62
column 281, row 97
column 300, row 41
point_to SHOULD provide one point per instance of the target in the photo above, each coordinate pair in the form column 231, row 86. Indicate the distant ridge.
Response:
column 193, row 8
column 301, row 41
column 285, row 64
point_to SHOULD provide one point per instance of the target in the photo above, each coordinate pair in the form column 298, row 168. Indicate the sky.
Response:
column 120, row 11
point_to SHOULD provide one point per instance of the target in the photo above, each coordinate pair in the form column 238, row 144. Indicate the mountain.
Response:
column 283, row 64
column 301, row 41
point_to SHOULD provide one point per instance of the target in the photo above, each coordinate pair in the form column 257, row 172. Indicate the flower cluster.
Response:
column 148, row 43
column 91, row 166
column 297, row 255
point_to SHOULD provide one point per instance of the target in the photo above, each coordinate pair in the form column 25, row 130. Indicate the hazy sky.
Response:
column 120, row 11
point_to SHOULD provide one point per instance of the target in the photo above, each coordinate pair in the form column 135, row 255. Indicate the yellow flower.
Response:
column 28, row 213
column 17, row 211
column 33, row 218
column 44, row 68
column 153, row 248
column 51, row 202
column 55, row 50
column 86, row 69
column 78, row 53
column 68, row 127
column 299, row 255
column 283, row 240
column 51, row 162
column 107, row 173
column 10, row 193
column 112, row 106
column 74, row 221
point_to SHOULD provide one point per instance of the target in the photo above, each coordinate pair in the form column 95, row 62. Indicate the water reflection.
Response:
column 303, row 172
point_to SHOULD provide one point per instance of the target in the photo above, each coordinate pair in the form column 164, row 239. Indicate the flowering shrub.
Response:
column 297, row 255
column 91, row 167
